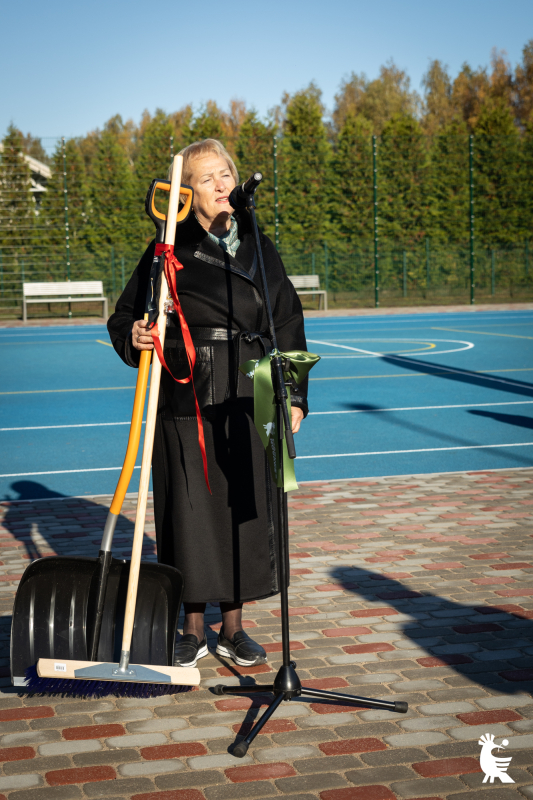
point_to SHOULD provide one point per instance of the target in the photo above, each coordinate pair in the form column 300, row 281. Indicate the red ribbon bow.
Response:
column 172, row 266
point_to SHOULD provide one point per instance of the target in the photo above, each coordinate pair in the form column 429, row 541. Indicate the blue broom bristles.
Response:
column 85, row 688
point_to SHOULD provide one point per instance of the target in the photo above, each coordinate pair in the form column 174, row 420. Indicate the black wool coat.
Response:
column 225, row 543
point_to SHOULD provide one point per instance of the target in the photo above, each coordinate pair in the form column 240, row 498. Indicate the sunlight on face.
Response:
column 212, row 182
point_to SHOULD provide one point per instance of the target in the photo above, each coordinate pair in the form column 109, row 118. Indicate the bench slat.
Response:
column 62, row 288
column 305, row 281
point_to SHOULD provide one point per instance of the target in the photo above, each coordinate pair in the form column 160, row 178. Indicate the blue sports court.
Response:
column 392, row 395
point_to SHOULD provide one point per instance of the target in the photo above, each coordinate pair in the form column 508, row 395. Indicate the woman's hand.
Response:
column 297, row 416
column 141, row 339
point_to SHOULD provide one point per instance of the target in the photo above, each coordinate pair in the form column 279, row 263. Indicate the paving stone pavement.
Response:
column 413, row 588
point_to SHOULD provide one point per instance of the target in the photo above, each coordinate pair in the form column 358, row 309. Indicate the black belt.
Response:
column 225, row 335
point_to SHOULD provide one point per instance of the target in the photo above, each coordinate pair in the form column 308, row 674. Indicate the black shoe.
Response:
column 189, row 649
column 243, row 650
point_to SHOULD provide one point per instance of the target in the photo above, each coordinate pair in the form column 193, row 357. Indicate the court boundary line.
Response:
column 400, row 452
column 311, row 413
column 410, row 408
column 298, row 458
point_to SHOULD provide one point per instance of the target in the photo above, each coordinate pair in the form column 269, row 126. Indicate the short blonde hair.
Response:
column 203, row 148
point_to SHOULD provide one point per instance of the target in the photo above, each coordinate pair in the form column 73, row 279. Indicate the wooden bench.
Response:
column 61, row 292
column 310, row 284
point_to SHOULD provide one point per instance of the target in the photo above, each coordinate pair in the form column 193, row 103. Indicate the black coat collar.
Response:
column 193, row 236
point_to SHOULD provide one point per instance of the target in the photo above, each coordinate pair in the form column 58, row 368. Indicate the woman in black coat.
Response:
column 224, row 543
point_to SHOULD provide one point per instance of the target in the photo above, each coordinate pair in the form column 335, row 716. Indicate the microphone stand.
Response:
column 286, row 684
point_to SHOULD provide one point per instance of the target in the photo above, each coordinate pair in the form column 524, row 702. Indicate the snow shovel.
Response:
column 72, row 608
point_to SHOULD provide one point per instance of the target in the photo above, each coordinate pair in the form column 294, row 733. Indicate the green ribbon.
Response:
column 260, row 371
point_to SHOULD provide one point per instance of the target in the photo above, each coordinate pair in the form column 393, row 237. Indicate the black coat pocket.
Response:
column 178, row 398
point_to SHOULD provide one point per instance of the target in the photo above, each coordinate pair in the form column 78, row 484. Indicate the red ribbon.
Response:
column 172, row 266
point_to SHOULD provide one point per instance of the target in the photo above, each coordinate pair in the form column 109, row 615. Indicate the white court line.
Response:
column 440, row 367
column 61, row 472
column 81, row 425
column 410, row 408
column 311, row 413
column 371, row 354
column 419, row 450
column 298, row 458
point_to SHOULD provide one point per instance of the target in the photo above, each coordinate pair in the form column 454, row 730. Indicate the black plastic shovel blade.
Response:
column 53, row 616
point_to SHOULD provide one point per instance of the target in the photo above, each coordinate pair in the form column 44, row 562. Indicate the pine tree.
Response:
column 351, row 195
column 524, row 85
column 470, row 90
column 209, row 123
column 17, row 214
column 526, row 210
column 438, row 108
column 113, row 213
column 403, row 171
column 152, row 162
column 303, row 170
column 497, row 175
column 448, row 184
column 253, row 150
column 52, row 214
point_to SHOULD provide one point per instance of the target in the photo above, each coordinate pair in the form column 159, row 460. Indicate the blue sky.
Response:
column 65, row 68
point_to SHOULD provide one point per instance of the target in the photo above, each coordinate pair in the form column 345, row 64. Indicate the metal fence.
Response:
column 355, row 272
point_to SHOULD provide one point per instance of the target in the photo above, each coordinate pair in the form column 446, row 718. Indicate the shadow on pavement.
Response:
column 510, row 419
column 459, row 641
column 56, row 517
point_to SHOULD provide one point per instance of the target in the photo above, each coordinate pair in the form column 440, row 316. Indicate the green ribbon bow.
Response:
column 260, row 371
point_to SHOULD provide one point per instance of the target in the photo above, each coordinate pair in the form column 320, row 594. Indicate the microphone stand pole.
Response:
column 286, row 684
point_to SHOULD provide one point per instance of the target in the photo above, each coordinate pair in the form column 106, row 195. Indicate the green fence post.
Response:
column 376, row 254
column 492, row 271
column 113, row 272
column 404, row 256
column 276, row 210
column 527, row 259
column 326, row 265
column 428, row 274
column 471, row 173
column 313, row 264
column 122, row 265
column 1, row 274
column 65, row 203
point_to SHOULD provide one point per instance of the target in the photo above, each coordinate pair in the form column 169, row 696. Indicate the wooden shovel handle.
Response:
column 151, row 414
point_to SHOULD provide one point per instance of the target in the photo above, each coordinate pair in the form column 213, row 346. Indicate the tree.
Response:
column 152, row 162
column 209, row 123
column 404, row 203
column 303, row 168
column 52, row 216
column 253, row 151
column 448, row 184
column 351, row 196
column 113, row 217
column 17, row 212
column 497, row 174
column 438, row 107
column 524, row 85
column 378, row 100
column 470, row 90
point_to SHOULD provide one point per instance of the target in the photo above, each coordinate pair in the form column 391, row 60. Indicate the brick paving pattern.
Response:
column 415, row 588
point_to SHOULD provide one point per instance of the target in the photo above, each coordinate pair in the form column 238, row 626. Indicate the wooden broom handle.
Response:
column 151, row 414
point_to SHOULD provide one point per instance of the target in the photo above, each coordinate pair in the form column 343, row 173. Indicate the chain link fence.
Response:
column 64, row 242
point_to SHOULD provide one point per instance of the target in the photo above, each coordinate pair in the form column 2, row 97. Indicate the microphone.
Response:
column 240, row 195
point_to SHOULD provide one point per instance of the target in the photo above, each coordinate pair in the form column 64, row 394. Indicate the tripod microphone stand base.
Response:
column 287, row 686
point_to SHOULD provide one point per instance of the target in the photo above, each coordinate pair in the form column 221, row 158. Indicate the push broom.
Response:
column 101, row 678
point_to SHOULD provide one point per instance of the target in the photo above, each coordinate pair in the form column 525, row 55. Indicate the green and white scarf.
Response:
column 229, row 241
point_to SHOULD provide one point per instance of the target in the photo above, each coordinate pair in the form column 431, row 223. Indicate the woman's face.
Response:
column 212, row 182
